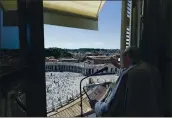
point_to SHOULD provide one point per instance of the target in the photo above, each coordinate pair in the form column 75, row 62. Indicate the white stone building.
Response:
column 84, row 68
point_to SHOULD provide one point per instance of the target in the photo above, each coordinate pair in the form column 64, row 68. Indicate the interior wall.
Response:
column 156, row 44
column 0, row 26
column 166, row 54
column 150, row 38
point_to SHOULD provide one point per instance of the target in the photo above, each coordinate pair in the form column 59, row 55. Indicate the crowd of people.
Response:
column 63, row 87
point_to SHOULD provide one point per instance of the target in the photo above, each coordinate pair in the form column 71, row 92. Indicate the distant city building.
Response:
column 99, row 59
column 50, row 59
column 78, row 55
column 69, row 60
column 89, row 54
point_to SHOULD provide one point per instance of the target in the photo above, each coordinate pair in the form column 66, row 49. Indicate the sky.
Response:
column 107, row 36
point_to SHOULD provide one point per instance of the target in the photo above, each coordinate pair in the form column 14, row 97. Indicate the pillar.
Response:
column 123, row 30
column 31, row 11
column 134, row 23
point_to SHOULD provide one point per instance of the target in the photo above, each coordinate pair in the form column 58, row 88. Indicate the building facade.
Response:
column 84, row 68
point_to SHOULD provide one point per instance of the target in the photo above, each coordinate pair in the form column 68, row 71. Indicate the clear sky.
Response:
column 108, row 35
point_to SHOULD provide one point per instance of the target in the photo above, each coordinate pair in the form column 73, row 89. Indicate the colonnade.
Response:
column 84, row 68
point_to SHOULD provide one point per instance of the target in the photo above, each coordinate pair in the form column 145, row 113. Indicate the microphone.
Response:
column 99, row 71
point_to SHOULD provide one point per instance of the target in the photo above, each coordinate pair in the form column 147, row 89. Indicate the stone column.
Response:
column 123, row 30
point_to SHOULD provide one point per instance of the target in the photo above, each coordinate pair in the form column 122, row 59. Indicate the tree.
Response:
column 57, row 53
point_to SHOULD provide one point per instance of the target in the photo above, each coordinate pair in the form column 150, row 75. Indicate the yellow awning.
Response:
column 77, row 14
column 85, row 8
